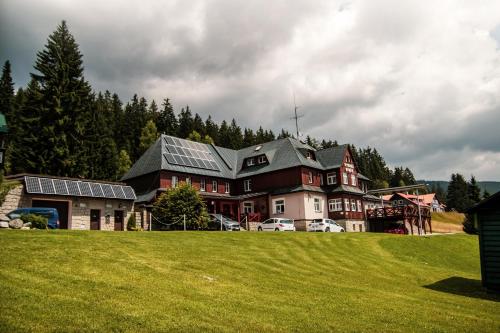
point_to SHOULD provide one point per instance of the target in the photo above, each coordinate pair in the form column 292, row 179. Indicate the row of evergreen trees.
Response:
column 463, row 194
column 59, row 126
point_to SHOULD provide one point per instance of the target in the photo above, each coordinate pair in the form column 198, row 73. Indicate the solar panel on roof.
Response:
column 177, row 142
column 85, row 189
column 169, row 141
column 108, row 192
column 73, row 187
column 32, row 185
column 129, row 192
column 96, row 190
column 117, row 189
column 189, row 154
column 47, row 186
column 60, row 187
column 169, row 158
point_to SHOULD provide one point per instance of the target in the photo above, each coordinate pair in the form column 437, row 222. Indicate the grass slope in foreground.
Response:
column 211, row 281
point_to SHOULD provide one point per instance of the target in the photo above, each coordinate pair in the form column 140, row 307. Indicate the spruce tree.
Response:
column 198, row 125
column 473, row 192
column 149, row 135
column 224, row 135
column 185, row 123
column 212, row 129
column 457, row 196
column 65, row 104
column 235, row 135
column 248, row 137
column 7, row 105
column 167, row 121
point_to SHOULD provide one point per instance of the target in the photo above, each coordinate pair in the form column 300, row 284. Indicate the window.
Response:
column 331, row 178
column 344, row 178
column 188, row 181
column 321, row 182
column 250, row 162
column 353, row 180
column 226, row 187
column 310, row 177
column 262, row 159
column 353, row 205
column 247, row 185
column 335, row 205
column 359, row 205
column 202, row 184
column 353, row 227
column 214, row 186
column 346, row 205
column 175, row 180
column 279, row 206
column 248, row 207
column 309, row 155
column 317, row 205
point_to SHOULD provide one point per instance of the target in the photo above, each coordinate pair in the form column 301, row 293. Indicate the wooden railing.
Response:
column 397, row 212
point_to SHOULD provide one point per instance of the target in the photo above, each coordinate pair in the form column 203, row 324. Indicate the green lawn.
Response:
column 249, row 282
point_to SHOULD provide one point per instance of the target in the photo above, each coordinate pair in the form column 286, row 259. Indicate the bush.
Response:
column 37, row 221
column 131, row 223
column 469, row 225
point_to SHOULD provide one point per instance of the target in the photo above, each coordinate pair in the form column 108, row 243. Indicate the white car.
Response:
column 276, row 224
column 324, row 225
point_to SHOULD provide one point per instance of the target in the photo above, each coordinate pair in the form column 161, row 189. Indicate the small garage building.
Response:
column 81, row 204
column 486, row 217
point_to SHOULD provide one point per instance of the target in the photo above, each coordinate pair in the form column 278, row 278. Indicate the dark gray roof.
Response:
column 331, row 157
column 298, row 188
column 346, row 189
column 281, row 154
column 361, row 176
column 371, row 197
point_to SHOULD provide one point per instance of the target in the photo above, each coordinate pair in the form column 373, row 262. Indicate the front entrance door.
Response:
column 95, row 219
column 118, row 220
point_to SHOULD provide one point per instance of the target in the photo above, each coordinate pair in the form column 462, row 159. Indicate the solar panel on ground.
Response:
column 60, row 186
column 33, row 185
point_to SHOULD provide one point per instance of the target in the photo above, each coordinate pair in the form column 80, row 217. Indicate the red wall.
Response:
column 166, row 181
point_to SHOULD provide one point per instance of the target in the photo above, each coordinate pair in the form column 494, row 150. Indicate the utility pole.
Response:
column 296, row 117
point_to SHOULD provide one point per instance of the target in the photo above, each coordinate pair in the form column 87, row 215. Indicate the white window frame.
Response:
column 202, row 185
column 335, row 205
column 317, row 205
column 215, row 186
column 227, row 187
column 345, row 179
column 321, row 180
column 281, row 206
column 360, row 208
column 347, row 205
column 261, row 159
column 247, row 185
column 188, row 181
column 353, row 205
column 353, row 180
column 250, row 162
column 310, row 177
column 248, row 207
column 175, row 181
column 331, row 178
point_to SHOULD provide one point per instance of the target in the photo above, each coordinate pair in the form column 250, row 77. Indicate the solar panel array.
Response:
column 78, row 188
column 189, row 153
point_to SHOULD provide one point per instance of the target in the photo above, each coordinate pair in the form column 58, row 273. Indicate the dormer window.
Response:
column 250, row 162
column 309, row 155
column 258, row 148
column 261, row 159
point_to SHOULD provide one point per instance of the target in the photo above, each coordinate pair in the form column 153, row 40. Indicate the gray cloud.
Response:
column 418, row 82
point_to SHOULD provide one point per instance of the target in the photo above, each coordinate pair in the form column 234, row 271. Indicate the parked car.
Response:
column 276, row 224
column 324, row 225
column 50, row 213
column 227, row 223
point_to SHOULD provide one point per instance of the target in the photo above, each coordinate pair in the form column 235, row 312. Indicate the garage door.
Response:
column 62, row 210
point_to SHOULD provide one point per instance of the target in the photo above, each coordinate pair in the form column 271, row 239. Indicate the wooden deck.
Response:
column 379, row 217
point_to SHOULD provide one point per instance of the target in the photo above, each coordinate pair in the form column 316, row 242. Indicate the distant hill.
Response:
column 490, row 186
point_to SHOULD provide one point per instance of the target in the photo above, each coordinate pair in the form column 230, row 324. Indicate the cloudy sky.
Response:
column 418, row 80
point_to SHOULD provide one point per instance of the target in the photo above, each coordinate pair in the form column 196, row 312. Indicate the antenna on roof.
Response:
column 296, row 117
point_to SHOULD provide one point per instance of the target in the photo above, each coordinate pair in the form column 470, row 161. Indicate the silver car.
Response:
column 227, row 223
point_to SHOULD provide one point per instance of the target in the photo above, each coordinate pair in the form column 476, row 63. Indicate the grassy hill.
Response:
column 447, row 222
column 248, row 282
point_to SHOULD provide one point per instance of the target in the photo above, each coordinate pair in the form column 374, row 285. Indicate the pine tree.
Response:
column 7, row 106
column 284, row 134
column 260, row 136
column 212, row 130
column 224, row 135
column 124, row 164
column 457, row 198
column 167, row 121
column 65, row 104
column 149, row 135
column 185, row 123
column 236, row 136
column 248, row 137
column 486, row 194
column 473, row 192
column 198, row 125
